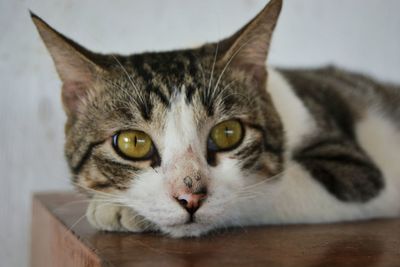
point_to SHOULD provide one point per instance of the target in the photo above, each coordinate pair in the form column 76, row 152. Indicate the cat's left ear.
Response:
column 248, row 48
column 76, row 66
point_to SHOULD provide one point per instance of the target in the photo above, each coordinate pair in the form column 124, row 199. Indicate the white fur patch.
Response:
column 379, row 137
column 295, row 117
column 180, row 132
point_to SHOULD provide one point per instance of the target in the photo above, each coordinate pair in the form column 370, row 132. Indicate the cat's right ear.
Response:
column 75, row 65
column 248, row 48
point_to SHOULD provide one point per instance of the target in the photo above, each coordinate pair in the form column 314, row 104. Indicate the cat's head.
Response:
column 180, row 136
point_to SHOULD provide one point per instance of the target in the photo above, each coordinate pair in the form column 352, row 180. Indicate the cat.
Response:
column 191, row 141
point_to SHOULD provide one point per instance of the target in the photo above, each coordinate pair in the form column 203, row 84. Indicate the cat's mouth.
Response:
column 191, row 219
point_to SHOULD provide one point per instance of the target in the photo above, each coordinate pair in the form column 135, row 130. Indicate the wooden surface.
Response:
column 62, row 237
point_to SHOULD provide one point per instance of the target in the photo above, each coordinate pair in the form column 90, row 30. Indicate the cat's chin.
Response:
column 186, row 230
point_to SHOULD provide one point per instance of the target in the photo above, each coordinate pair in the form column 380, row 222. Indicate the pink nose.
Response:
column 191, row 202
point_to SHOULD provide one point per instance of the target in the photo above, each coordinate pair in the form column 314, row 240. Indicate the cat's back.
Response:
column 357, row 110
column 341, row 92
column 352, row 105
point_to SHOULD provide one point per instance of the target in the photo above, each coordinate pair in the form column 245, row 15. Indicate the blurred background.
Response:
column 361, row 35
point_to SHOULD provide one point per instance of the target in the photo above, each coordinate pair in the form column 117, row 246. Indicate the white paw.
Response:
column 114, row 217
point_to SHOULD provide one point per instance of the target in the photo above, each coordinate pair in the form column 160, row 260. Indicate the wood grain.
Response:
column 60, row 238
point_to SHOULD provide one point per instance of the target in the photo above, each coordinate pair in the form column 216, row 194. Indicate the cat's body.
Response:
column 190, row 141
column 356, row 191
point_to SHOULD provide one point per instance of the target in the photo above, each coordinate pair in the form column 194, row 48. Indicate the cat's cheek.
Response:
column 225, row 190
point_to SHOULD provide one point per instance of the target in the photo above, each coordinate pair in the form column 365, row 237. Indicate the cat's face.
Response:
column 178, row 136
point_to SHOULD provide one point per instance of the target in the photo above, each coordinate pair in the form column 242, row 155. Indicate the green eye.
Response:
column 227, row 135
column 133, row 144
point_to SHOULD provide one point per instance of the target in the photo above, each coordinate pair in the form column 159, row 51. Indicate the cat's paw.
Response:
column 114, row 217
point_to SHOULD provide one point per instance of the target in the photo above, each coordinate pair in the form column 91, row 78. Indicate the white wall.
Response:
column 358, row 34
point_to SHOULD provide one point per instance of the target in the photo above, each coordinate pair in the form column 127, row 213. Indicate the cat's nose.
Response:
column 191, row 201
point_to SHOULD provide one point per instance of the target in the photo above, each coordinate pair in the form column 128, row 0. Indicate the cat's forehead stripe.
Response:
column 162, row 75
column 168, row 67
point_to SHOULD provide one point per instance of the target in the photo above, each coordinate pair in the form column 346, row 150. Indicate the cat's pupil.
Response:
column 228, row 132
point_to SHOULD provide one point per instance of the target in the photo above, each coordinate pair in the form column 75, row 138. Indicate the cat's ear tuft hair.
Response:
column 75, row 65
column 248, row 48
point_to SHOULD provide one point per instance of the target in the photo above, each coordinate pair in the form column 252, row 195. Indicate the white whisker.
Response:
column 75, row 223
column 230, row 60
column 212, row 69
